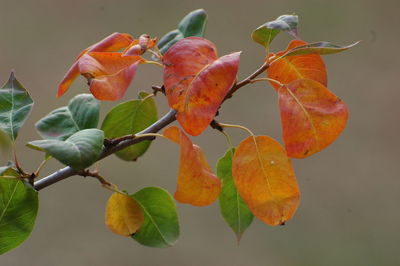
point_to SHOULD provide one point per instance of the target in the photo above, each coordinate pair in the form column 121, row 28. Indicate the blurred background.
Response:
column 349, row 212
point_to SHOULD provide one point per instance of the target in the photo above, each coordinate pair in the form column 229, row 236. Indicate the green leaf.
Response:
column 168, row 40
column 268, row 31
column 15, row 106
column 129, row 118
column 234, row 210
column 18, row 209
column 82, row 112
column 79, row 151
column 193, row 24
column 161, row 226
column 321, row 48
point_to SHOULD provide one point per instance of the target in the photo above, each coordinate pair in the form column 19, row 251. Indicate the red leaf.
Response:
column 265, row 179
column 113, row 42
column 312, row 117
column 288, row 69
column 109, row 74
column 196, row 81
column 197, row 185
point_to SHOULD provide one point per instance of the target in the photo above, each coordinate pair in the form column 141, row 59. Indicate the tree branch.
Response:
column 164, row 121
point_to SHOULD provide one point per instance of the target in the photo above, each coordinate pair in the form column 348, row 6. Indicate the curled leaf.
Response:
column 290, row 68
column 79, row 151
column 111, row 43
column 268, row 31
column 108, row 74
column 265, row 179
column 196, row 81
column 124, row 216
column 197, row 185
column 82, row 112
column 312, row 117
column 321, row 48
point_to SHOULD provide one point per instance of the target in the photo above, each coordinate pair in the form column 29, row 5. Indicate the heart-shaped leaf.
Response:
column 193, row 24
column 124, row 216
column 196, row 81
column 290, row 68
column 234, row 210
column 321, row 48
column 197, row 185
column 82, row 112
column 18, row 209
column 129, row 118
column 15, row 106
column 79, row 151
column 312, row 117
column 161, row 226
column 265, row 179
column 268, row 31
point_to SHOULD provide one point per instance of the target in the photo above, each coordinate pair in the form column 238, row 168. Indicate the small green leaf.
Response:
column 129, row 118
column 18, row 209
column 168, row 40
column 82, row 112
column 268, row 31
column 321, row 48
column 79, row 151
column 234, row 210
column 193, row 24
column 161, row 226
column 15, row 106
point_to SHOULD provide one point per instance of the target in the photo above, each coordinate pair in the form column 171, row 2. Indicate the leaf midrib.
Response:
column 9, row 201
column 153, row 222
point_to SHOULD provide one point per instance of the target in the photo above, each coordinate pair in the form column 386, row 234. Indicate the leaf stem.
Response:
column 153, row 62
column 237, row 126
column 267, row 79
column 42, row 164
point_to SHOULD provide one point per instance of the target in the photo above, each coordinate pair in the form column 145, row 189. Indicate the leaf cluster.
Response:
column 254, row 179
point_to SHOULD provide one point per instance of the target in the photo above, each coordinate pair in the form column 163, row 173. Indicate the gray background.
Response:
column 349, row 213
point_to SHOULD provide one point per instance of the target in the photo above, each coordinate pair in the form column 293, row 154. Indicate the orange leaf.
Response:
column 264, row 177
column 109, row 74
column 124, row 216
column 312, row 117
column 196, row 81
column 288, row 69
column 197, row 185
column 111, row 43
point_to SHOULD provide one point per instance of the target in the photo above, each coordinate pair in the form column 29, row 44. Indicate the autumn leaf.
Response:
column 111, row 43
column 196, row 81
column 265, row 179
column 108, row 74
column 197, row 185
column 290, row 68
column 312, row 117
column 124, row 215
